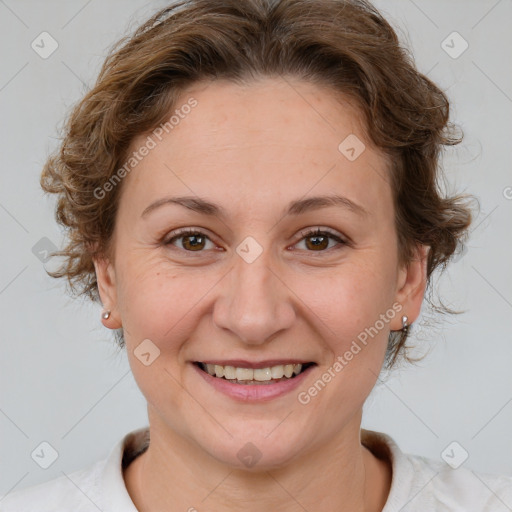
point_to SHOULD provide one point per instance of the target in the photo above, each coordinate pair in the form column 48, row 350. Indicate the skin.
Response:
column 253, row 149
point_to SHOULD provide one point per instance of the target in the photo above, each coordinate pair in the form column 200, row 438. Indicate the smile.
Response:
column 254, row 376
column 253, row 381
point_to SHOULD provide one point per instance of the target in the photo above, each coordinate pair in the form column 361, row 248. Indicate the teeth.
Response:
column 244, row 374
column 288, row 370
column 229, row 372
column 277, row 372
column 258, row 374
column 262, row 374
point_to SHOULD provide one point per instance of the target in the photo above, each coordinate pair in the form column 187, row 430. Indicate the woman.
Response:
column 250, row 190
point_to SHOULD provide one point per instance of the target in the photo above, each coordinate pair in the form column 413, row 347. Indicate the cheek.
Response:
column 348, row 299
column 154, row 304
column 159, row 310
column 163, row 304
column 352, row 311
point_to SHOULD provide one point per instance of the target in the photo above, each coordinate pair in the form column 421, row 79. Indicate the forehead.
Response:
column 273, row 136
column 270, row 111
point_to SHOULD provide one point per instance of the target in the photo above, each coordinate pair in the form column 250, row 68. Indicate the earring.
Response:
column 106, row 314
column 405, row 325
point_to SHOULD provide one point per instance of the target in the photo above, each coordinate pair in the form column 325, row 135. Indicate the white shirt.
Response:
column 419, row 484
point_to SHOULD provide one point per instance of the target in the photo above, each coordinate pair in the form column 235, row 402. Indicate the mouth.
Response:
column 254, row 374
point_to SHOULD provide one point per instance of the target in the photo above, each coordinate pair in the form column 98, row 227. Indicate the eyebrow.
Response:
column 297, row 207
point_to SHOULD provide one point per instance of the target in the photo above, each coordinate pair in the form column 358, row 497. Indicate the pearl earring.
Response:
column 405, row 325
column 106, row 314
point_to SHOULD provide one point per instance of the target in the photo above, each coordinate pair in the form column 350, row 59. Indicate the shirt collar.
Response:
column 116, row 497
column 114, row 492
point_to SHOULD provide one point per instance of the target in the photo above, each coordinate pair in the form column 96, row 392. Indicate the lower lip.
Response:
column 254, row 392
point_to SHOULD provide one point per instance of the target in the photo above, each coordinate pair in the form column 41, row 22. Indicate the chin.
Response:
column 250, row 450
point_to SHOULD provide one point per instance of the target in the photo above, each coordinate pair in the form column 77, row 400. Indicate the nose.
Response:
column 254, row 303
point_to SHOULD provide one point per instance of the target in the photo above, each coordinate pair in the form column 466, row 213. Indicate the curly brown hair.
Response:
column 344, row 44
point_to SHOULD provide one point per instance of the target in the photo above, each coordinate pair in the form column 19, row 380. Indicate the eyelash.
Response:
column 305, row 234
column 323, row 232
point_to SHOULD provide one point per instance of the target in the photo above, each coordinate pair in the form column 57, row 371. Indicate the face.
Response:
column 264, row 277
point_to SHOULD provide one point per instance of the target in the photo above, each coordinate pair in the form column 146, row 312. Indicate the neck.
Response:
column 175, row 474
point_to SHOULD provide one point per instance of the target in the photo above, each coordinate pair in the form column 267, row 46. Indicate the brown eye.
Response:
column 191, row 241
column 318, row 240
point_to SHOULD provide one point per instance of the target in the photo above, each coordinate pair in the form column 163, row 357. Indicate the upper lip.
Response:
column 240, row 363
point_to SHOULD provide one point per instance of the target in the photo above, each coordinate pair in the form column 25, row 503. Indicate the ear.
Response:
column 411, row 285
column 106, row 278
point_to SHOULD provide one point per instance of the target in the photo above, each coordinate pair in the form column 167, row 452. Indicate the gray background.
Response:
column 61, row 378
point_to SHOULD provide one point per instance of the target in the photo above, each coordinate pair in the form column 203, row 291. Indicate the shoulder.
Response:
column 461, row 489
column 422, row 484
column 99, row 486
column 77, row 491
